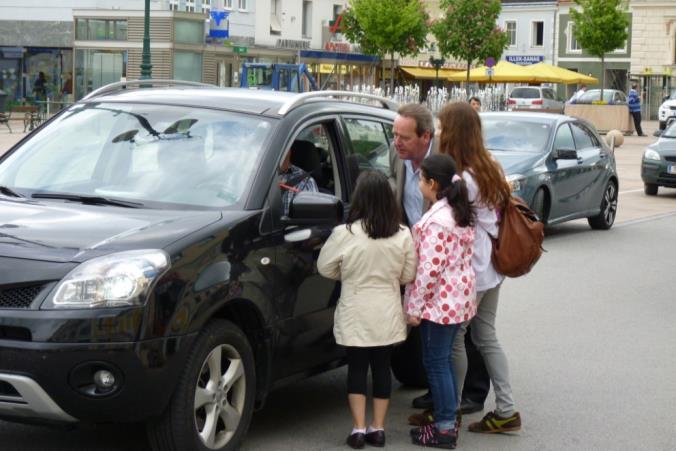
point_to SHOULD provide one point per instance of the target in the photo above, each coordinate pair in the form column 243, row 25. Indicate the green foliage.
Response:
column 383, row 27
column 468, row 30
column 601, row 25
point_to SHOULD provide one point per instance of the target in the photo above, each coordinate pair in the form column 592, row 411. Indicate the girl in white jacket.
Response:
column 372, row 255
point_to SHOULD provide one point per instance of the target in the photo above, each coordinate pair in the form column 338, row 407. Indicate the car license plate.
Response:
column 671, row 169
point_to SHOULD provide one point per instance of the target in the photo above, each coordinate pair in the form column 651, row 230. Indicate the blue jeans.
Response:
column 437, row 342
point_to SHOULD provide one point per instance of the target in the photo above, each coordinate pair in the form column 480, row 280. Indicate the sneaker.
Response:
column 421, row 419
column 493, row 423
column 431, row 437
column 419, row 430
column 423, row 401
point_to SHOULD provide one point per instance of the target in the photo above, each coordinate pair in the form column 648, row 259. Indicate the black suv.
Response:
column 149, row 270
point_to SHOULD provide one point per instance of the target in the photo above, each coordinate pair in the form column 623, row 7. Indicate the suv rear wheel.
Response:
column 213, row 403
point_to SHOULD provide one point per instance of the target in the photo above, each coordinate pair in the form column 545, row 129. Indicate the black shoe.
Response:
column 423, row 402
column 356, row 440
column 469, row 407
column 376, row 438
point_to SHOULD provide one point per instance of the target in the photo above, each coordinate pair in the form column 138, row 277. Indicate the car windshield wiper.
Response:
column 7, row 191
column 97, row 200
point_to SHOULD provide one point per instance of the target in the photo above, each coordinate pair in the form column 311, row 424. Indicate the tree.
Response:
column 386, row 27
column 601, row 27
column 468, row 31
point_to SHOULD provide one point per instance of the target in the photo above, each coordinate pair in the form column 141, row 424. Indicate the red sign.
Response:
column 333, row 46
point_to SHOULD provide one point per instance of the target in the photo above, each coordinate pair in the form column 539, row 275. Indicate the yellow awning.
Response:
column 427, row 73
column 503, row 72
column 555, row 74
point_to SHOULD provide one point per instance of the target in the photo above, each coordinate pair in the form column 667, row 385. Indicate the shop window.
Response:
column 189, row 31
column 101, row 30
column 537, row 34
column 96, row 68
column 96, row 29
column 188, row 66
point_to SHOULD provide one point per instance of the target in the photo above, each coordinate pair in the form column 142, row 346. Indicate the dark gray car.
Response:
column 658, row 166
column 558, row 164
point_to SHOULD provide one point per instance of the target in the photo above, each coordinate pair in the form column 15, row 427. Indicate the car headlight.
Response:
column 516, row 182
column 650, row 154
column 115, row 280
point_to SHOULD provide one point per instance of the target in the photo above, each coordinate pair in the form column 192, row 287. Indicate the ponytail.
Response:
column 457, row 196
column 441, row 168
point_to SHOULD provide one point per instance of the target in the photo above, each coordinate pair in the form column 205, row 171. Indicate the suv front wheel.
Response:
column 213, row 403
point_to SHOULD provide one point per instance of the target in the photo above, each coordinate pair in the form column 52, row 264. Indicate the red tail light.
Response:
column 511, row 102
column 536, row 102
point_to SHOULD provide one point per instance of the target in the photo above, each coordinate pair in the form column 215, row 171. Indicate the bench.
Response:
column 4, row 119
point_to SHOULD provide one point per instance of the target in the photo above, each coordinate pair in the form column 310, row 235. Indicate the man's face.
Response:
column 409, row 145
column 476, row 105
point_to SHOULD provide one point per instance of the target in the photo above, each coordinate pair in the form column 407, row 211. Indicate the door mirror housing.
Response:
column 566, row 154
column 311, row 208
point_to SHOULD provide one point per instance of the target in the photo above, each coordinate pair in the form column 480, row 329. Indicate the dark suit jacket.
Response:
column 398, row 178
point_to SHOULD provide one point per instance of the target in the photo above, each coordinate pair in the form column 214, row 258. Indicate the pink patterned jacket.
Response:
column 444, row 289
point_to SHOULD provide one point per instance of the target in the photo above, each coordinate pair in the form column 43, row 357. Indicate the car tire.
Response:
column 605, row 219
column 650, row 189
column 220, row 372
column 539, row 205
column 407, row 363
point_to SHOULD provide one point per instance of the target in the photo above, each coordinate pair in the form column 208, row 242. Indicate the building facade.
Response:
column 531, row 27
column 572, row 56
column 653, row 50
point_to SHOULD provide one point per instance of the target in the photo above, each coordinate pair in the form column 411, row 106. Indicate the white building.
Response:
column 531, row 27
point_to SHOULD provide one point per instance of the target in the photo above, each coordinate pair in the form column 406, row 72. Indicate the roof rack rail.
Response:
column 120, row 85
column 301, row 98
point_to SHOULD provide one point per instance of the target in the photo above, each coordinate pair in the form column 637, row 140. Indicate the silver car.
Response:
column 535, row 98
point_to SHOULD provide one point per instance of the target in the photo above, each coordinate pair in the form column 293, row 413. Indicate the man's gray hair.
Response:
column 421, row 115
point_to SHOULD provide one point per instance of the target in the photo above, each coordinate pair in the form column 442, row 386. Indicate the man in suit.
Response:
column 414, row 140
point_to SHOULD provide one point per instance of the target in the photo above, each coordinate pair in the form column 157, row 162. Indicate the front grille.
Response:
column 7, row 389
column 672, row 159
column 673, row 108
column 21, row 297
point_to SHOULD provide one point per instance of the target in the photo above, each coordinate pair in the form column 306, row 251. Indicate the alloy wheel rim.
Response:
column 610, row 199
column 219, row 396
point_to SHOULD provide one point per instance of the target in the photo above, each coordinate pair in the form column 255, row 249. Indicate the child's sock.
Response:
column 358, row 431
column 370, row 429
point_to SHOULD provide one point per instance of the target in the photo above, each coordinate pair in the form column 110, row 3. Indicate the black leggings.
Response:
column 358, row 361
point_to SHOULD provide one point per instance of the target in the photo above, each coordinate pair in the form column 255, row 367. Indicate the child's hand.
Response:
column 412, row 320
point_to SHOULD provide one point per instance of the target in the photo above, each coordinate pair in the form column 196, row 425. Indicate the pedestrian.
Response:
column 576, row 96
column 40, row 86
column 444, row 292
column 462, row 139
column 475, row 102
column 372, row 255
column 634, row 103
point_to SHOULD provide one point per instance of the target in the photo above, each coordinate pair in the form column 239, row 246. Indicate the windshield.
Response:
column 525, row 93
column 143, row 153
column 670, row 131
column 609, row 95
column 514, row 135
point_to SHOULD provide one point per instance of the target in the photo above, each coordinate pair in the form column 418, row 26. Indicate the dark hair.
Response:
column 475, row 98
column 441, row 169
column 634, row 86
column 373, row 203
column 421, row 115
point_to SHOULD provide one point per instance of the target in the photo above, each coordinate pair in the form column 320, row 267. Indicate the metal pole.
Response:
column 146, row 67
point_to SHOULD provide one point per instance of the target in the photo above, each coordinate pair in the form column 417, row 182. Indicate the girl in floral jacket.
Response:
column 444, row 291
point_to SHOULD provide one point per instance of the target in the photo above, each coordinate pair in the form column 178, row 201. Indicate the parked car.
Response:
column 667, row 110
column 535, row 98
column 149, row 271
column 612, row 96
column 558, row 164
column 658, row 166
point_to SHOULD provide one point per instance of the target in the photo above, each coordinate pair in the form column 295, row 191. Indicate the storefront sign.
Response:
column 293, row 44
column 524, row 60
column 335, row 46
column 240, row 50
column 219, row 27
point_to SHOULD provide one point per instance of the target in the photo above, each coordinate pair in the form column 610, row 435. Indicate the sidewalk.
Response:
column 7, row 139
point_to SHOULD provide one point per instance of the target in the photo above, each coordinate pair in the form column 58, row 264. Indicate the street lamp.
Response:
column 437, row 63
column 146, row 67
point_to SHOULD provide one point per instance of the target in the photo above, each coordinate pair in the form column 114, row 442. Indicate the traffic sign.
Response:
column 490, row 71
column 490, row 62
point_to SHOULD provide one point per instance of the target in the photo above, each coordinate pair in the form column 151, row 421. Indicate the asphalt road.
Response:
column 589, row 334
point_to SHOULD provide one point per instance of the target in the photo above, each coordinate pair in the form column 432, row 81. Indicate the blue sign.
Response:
column 219, row 28
column 524, row 60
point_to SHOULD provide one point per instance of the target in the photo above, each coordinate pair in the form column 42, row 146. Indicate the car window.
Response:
column 548, row 94
column 583, row 137
column 369, row 146
column 313, row 151
column 146, row 153
column 525, row 93
column 564, row 138
column 514, row 135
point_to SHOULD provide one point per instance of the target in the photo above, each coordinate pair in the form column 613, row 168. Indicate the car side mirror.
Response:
column 566, row 154
column 310, row 208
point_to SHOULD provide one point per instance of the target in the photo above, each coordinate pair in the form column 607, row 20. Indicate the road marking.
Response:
column 645, row 219
column 631, row 191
